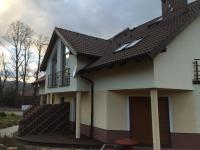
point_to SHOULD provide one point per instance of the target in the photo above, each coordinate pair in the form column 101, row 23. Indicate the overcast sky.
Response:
column 102, row 18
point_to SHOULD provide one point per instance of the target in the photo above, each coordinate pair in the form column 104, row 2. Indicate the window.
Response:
column 133, row 43
column 128, row 45
column 121, row 47
column 66, row 55
column 196, row 65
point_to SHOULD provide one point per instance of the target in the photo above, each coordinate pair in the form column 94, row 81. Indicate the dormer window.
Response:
column 196, row 65
column 128, row 45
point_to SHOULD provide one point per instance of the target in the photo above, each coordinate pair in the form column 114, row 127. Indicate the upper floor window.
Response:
column 66, row 55
column 196, row 65
column 54, row 63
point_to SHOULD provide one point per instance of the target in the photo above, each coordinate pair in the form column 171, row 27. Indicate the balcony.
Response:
column 196, row 65
column 59, row 79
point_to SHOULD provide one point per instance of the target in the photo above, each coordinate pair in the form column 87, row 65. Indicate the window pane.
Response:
column 66, row 50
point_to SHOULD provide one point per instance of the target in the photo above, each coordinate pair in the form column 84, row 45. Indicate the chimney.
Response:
column 173, row 6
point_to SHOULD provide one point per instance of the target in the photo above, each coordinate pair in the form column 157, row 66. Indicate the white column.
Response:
column 155, row 119
column 51, row 98
column 78, row 115
column 48, row 98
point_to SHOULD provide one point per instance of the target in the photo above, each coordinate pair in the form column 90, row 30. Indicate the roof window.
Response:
column 128, row 45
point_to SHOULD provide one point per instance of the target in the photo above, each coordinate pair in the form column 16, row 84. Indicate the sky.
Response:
column 102, row 18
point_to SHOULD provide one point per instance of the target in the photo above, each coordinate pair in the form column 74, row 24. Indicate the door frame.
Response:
column 169, row 116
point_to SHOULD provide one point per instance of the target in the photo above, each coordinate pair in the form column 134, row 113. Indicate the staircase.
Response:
column 45, row 119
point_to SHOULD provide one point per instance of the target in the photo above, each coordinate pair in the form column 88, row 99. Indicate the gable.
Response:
column 175, row 65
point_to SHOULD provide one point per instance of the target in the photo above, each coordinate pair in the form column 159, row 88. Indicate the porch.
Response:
column 178, row 125
column 68, row 141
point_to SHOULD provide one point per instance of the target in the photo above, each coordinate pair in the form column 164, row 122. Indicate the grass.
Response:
column 8, row 120
column 6, row 142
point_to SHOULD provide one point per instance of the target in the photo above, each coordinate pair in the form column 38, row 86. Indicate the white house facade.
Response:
column 143, row 83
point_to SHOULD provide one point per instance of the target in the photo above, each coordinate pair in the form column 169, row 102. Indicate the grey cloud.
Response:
column 102, row 18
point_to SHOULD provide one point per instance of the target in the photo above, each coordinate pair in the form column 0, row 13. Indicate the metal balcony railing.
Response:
column 196, row 65
column 59, row 79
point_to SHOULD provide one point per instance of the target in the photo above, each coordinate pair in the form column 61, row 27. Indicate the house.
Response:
column 143, row 83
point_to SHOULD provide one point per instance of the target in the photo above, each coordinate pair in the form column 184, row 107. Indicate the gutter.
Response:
column 92, row 104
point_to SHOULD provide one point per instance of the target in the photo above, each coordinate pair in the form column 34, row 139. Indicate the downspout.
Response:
column 92, row 104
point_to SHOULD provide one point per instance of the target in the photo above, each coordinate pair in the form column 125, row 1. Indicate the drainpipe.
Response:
column 92, row 104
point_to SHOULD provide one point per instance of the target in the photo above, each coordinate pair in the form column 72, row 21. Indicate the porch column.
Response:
column 78, row 114
column 48, row 98
column 155, row 119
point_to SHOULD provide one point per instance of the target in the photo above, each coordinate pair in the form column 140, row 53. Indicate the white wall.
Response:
column 118, row 112
column 185, row 107
column 76, row 82
column 130, row 76
column 173, row 69
column 100, row 109
column 86, row 108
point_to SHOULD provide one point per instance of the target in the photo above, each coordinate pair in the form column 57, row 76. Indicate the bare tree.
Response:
column 25, row 64
column 4, row 73
column 41, row 44
column 17, row 36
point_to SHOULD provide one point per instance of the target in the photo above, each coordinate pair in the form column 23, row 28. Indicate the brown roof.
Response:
column 80, row 43
column 156, row 34
column 40, row 80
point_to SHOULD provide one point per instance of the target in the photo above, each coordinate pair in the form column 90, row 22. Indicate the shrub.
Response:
column 3, row 114
column 3, row 125
column 9, row 124
column 13, row 115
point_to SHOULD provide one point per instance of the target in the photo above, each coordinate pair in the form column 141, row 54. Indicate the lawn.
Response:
column 10, row 143
column 8, row 120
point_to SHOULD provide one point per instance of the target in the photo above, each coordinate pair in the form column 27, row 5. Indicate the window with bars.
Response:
column 196, row 65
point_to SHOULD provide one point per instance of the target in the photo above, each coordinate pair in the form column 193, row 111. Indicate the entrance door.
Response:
column 140, row 120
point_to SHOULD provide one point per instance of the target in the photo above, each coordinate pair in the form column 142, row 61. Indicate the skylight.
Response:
column 133, row 43
column 128, row 45
column 159, row 19
column 122, row 47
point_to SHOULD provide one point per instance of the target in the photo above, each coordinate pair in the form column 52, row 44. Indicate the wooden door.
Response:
column 140, row 120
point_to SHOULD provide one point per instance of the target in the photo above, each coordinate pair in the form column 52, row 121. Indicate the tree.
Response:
column 25, row 64
column 41, row 44
column 4, row 73
column 17, row 36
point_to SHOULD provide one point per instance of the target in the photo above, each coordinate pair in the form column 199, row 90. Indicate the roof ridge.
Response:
column 90, row 36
